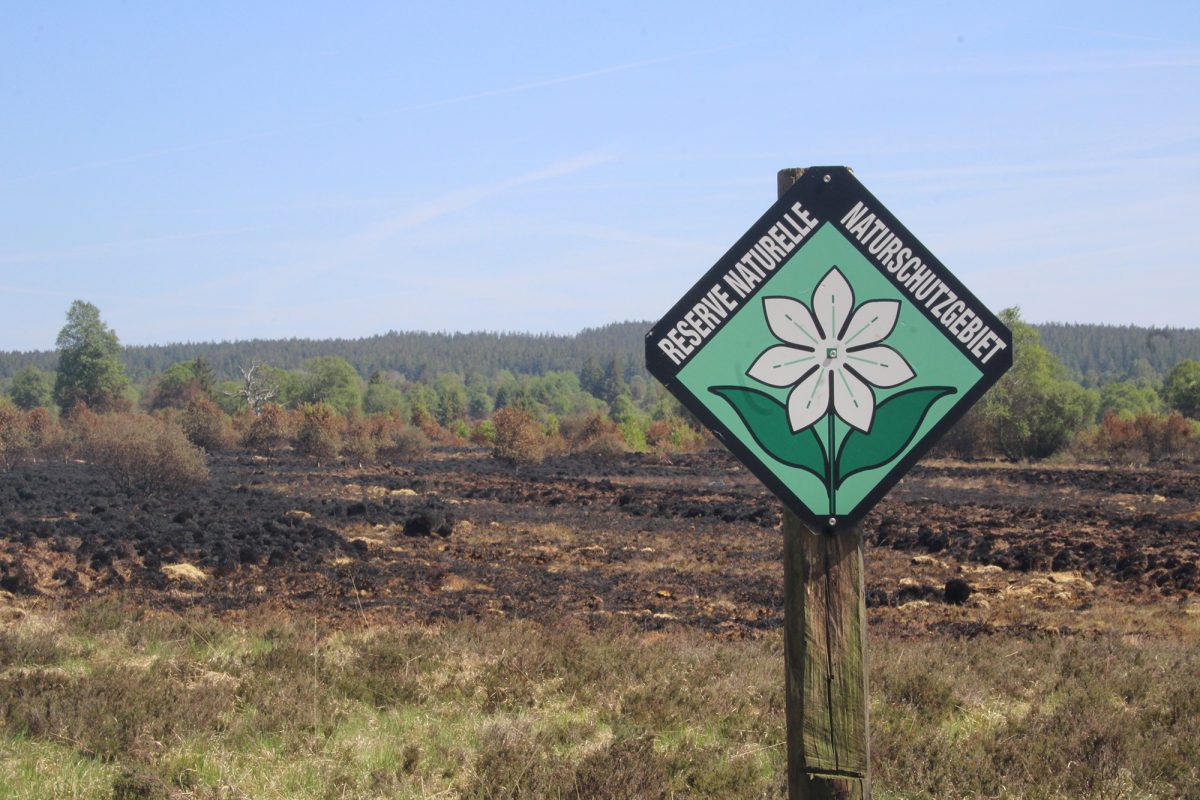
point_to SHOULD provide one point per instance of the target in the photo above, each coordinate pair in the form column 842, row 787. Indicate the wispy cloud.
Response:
column 90, row 249
column 366, row 240
column 463, row 199
column 1121, row 35
column 161, row 152
column 1084, row 62
column 578, row 76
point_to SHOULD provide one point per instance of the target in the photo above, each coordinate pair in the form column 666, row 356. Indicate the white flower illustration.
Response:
column 832, row 355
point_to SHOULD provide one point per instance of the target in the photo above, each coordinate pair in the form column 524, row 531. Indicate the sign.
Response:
column 828, row 349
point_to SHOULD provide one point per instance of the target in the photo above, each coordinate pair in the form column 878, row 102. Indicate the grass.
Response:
column 114, row 702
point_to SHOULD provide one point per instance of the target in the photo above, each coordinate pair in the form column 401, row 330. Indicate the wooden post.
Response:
column 825, row 654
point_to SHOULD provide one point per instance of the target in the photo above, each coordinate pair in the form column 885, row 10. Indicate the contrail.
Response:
column 579, row 76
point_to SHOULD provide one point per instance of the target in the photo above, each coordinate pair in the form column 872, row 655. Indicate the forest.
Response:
column 1093, row 354
column 1090, row 391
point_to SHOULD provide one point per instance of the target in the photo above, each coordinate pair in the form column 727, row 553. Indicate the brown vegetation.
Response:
column 518, row 439
column 142, row 453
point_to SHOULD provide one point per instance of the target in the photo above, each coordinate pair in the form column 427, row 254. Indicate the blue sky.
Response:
column 211, row 171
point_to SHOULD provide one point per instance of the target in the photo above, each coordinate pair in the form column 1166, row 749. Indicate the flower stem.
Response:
column 831, row 480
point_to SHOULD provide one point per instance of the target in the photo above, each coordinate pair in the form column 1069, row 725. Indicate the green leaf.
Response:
column 767, row 420
column 893, row 428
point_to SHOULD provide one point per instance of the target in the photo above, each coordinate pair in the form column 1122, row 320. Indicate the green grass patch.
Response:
column 112, row 702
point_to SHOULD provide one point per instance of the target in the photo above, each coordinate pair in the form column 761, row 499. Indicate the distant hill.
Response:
column 1094, row 353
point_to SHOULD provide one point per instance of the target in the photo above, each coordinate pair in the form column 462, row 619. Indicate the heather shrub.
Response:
column 206, row 425
column 519, row 439
column 319, row 432
column 267, row 430
column 142, row 453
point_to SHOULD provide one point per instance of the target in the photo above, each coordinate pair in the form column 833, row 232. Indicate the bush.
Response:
column 362, row 439
column 1116, row 437
column 142, row 453
column 1163, row 436
column 519, row 439
column 673, row 434
column 45, row 432
column 408, row 443
column 266, row 430
column 319, row 432
column 483, row 433
column 15, row 442
column 595, row 434
column 1123, row 437
column 1033, row 410
column 206, row 425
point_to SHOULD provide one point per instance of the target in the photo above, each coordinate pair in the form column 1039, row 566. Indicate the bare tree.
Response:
column 257, row 388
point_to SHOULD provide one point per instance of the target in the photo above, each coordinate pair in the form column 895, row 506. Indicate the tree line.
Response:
column 1039, row 408
column 1093, row 354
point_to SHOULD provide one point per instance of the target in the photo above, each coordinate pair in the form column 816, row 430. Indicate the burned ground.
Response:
column 692, row 540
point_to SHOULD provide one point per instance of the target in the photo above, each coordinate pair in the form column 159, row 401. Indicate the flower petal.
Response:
column 833, row 300
column 791, row 321
column 871, row 322
column 880, row 366
column 853, row 400
column 782, row 365
column 809, row 401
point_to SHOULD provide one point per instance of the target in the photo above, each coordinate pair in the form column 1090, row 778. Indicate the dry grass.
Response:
column 110, row 701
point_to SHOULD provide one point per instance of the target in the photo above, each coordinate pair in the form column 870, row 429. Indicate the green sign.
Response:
column 828, row 349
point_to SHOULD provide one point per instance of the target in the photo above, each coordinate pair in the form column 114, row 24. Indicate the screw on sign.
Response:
column 828, row 349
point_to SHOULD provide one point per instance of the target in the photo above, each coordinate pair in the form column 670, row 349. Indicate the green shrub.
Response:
column 1033, row 411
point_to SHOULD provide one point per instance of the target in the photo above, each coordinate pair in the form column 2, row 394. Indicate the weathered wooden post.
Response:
column 825, row 629
column 828, row 349
column 825, row 653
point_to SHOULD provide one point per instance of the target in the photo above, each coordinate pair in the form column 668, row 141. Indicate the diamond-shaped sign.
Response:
column 828, row 349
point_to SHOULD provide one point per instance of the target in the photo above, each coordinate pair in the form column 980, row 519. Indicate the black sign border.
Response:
column 827, row 193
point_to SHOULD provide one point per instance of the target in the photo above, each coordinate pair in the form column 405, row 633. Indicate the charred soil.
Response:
column 690, row 541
